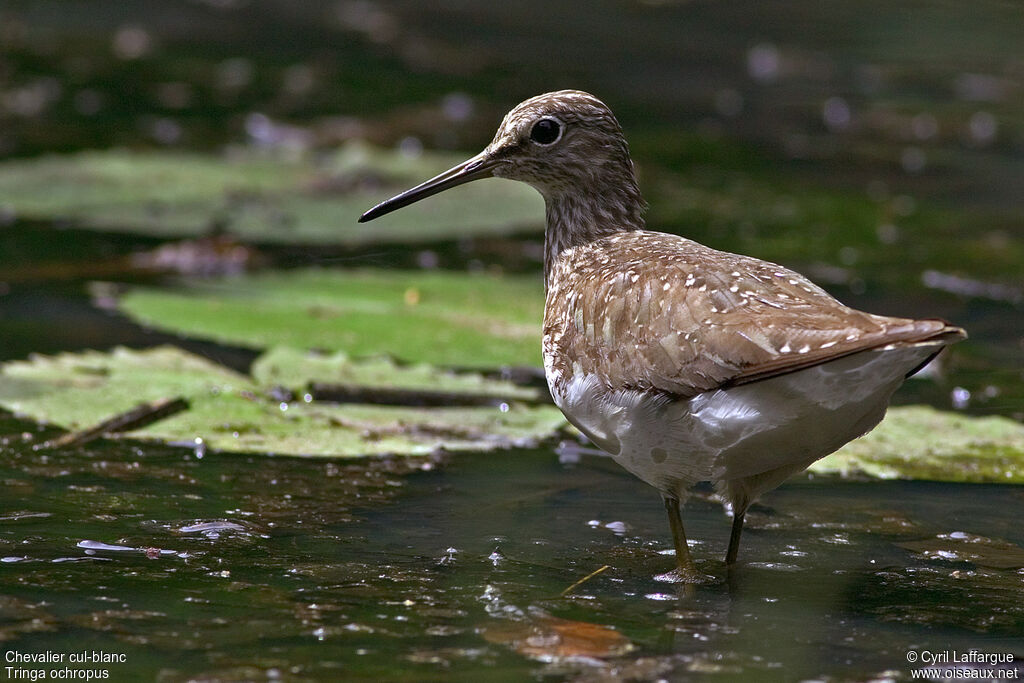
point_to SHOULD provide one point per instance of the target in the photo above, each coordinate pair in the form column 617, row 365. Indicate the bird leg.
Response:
column 734, row 537
column 675, row 521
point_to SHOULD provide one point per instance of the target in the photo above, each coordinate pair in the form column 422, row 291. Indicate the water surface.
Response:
column 232, row 568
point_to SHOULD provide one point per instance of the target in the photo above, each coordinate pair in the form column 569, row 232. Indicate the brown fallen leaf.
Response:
column 553, row 637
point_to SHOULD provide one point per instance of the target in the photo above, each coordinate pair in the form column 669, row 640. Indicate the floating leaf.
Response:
column 918, row 442
column 442, row 318
column 297, row 369
column 260, row 198
column 78, row 390
column 232, row 412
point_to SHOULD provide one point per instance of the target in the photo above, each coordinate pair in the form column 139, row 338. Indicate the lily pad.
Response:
column 296, row 369
column 232, row 412
column 918, row 442
column 261, row 198
column 455, row 319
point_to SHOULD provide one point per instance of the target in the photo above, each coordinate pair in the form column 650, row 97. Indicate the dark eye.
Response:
column 546, row 131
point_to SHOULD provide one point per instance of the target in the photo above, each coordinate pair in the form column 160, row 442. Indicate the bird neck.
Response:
column 577, row 218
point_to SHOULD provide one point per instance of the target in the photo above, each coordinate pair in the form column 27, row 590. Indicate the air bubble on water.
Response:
column 836, row 113
column 617, row 528
column 457, row 106
column 234, row 74
column 982, row 127
column 410, row 147
column 763, row 62
column 960, row 397
column 427, row 259
column 660, row 596
column 877, row 190
column 887, row 233
column 131, row 42
column 904, row 204
column 924, row 126
column 728, row 102
column 913, row 160
column 449, row 557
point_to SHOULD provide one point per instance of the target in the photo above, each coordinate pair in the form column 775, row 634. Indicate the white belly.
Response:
column 746, row 438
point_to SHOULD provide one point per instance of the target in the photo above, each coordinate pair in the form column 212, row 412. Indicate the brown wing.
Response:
column 649, row 310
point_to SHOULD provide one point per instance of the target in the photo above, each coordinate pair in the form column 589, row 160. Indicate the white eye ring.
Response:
column 547, row 131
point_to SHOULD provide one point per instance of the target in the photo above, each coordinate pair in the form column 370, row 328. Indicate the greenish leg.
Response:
column 675, row 521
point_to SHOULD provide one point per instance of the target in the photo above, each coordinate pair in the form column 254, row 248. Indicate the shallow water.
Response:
column 235, row 567
column 226, row 567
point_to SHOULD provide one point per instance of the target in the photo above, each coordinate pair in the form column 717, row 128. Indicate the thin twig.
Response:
column 140, row 416
column 586, row 578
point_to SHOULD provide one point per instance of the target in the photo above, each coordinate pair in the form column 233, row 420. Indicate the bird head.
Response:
column 559, row 142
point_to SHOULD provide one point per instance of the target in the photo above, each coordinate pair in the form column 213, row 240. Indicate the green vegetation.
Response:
column 918, row 442
column 259, row 198
column 441, row 318
column 232, row 412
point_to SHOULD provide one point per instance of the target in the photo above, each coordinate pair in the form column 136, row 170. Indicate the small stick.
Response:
column 586, row 578
column 140, row 416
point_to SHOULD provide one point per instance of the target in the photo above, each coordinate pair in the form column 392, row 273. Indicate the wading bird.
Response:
column 686, row 364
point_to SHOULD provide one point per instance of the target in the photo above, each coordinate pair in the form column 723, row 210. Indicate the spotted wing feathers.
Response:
column 648, row 310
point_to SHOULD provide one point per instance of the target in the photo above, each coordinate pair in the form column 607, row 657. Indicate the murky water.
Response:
column 235, row 568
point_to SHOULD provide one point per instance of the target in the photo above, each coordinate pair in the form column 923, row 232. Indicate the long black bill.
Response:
column 474, row 168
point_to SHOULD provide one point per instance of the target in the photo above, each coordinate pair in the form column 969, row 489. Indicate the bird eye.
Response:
column 546, row 131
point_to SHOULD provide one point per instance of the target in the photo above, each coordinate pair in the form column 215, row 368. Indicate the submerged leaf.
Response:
column 232, row 412
column 918, row 442
column 454, row 319
column 548, row 637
